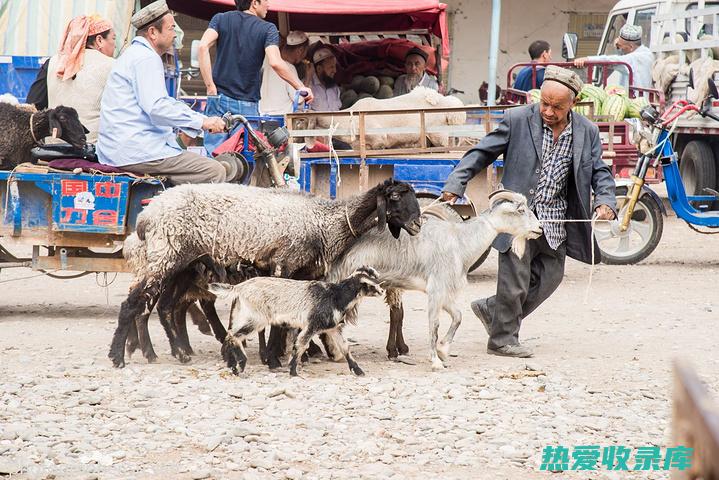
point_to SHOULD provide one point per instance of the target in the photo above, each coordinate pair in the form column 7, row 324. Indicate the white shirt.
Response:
column 276, row 95
column 640, row 60
column 137, row 116
column 326, row 99
column 84, row 91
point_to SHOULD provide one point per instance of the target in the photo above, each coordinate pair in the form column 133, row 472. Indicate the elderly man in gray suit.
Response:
column 554, row 157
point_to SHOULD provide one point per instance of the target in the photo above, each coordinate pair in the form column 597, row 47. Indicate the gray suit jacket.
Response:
column 519, row 138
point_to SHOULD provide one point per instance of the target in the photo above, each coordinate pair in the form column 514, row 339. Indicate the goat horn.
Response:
column 498, row 195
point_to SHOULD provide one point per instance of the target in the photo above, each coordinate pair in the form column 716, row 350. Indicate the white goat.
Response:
column 313, row 307
column 436, row 261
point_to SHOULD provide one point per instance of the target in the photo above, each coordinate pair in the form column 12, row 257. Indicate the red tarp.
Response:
column 341, row 15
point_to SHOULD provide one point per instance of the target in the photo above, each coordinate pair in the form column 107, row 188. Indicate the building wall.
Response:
column 521, row 23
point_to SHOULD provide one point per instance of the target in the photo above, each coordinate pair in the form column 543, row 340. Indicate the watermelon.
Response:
column 533, row 96
column 597, row 95
column 615, row 90
column 581, row 109
column 615, row 107
column 635, row 105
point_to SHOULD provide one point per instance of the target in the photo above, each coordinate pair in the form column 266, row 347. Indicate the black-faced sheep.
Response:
column 283, row 233
column 436, row 261
column 312, row 307
column 23, row 129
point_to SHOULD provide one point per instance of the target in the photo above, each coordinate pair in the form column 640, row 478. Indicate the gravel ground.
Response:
column 601, row 376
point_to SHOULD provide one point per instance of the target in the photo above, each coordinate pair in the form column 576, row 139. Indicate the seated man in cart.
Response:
column 137, row 116
column 415, row 65
column 323, row 84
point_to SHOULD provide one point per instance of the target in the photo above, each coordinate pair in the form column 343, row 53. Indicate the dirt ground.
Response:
column 605, row 380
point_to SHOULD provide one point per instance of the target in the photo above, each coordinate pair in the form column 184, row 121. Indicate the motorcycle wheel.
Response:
column 640, row 239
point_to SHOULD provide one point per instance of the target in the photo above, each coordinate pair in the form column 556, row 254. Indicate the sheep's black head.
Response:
column 397, row 208
column 67, row 123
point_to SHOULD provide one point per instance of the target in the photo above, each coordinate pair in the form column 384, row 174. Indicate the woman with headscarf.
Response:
column 77, row 74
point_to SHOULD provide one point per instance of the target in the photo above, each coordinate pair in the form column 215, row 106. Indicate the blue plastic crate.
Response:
column 18, row 73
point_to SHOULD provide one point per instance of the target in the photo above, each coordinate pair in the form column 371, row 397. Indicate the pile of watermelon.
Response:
column 611, row 101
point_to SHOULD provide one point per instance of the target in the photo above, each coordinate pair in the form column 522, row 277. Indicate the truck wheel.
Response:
column 698, row 169
column 640, row 239
column 445, row 212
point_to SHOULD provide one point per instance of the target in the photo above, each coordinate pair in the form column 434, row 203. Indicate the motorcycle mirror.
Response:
column 569, row 46
column 649, row 114
column 194, row 55
column 713, row 93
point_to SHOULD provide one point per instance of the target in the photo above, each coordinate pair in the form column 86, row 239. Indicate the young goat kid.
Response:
column 312, row 307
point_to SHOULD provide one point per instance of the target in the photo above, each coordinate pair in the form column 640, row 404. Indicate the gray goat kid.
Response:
column 312, row 307
column 23, row 129
column 436, row 261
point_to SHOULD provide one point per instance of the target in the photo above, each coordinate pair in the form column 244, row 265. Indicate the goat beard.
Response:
column 519, row 244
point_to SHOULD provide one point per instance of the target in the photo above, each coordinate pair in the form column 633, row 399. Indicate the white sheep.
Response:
column 420, row 97
column 277, row 232
column 312, row 307
column 436, row 261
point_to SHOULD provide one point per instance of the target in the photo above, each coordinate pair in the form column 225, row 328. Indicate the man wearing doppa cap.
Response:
column 324, row 86
column 553, row 156
column 639, row 57
column 415, row 67
column 137, row 116
column 276, row 95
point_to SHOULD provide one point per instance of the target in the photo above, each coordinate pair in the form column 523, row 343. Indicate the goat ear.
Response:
column 54, row 123
column 381, row 212
column 220, row 290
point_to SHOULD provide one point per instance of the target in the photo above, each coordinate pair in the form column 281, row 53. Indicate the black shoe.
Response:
column 519, row 351
column 481, row 309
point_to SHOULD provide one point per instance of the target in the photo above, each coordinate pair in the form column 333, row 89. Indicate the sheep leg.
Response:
column 135, row 304
column 395, row 341
column 343, row 346
column 208, row 306
column 199, row 319
column 132, row 342
column 233, row 352
column 330, row 347
column 143, row 337
column 444, row 345
column 275, row 343
column 433, row 316
column 300, row 345
column 165, row 312
column 179, row 318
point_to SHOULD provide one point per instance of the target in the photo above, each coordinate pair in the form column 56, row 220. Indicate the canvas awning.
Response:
column 337, row 16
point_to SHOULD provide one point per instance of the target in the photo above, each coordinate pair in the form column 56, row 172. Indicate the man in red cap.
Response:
column 76, row 76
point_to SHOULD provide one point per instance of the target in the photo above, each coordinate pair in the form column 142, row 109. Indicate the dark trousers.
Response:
column 522, row 285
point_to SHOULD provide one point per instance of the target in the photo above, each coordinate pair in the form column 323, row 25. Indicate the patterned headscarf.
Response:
column 72, row 47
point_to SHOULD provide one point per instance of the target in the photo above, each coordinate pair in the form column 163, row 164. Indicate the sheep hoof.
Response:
column 358, row 371
column 183, row 358
column 118, row 362
column 403, row 349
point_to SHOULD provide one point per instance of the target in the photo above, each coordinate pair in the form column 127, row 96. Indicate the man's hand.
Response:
column 604, row 213
column 449, row 197
column 579, row 62
column 214, row 125
column 212, row 90
column 309, row 97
